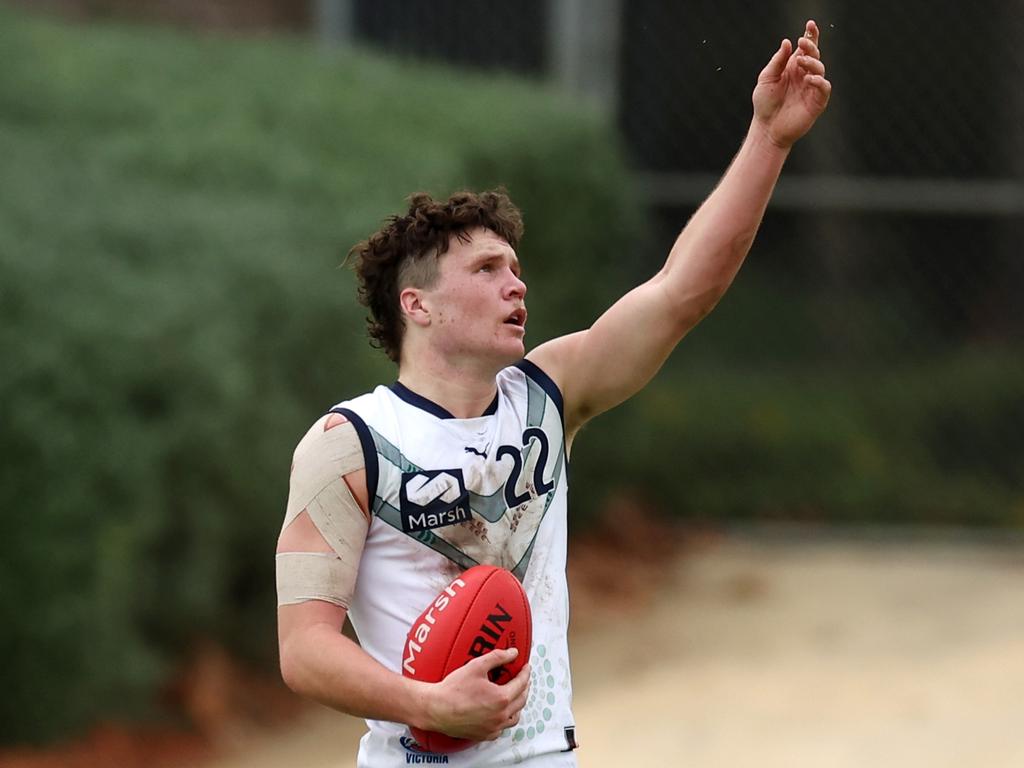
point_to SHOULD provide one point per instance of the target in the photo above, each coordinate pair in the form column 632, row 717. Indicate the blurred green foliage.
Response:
column 800, row 400
column 924, row 443
column 173, row 211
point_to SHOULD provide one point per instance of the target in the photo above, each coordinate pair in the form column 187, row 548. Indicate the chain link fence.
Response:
column 914, row 177
column 890, row 262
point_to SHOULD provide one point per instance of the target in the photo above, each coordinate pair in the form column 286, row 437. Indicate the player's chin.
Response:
column 515, row 334
column 513, row 350
column 506, row 347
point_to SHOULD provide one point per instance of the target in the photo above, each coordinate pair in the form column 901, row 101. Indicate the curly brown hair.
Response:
column 405, row 251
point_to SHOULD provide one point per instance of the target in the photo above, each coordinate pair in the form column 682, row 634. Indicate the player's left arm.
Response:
column 599, row 368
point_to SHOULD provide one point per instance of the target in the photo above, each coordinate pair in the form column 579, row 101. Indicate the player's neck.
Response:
column 463, row 391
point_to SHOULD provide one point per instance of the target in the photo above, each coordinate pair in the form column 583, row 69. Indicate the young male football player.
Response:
column 463, row 460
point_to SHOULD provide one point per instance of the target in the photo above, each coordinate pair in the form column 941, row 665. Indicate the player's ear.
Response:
column 413, row 308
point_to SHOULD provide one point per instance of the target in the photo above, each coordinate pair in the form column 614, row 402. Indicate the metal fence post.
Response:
column 583, row 48
column 334, row 21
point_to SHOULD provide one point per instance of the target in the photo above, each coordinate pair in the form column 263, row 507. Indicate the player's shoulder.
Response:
column 555, row 360
column 557, row 356
column 338, row 429
column 331, row 434
column 548, row 364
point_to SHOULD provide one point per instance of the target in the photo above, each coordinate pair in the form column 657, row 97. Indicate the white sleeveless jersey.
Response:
column 422, row 467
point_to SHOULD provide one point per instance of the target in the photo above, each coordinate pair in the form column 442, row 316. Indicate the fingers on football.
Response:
column 518, row 700
column 511, row 713
column 518, row 685
column 512, row 706
column 496, row 734
column 495, row 658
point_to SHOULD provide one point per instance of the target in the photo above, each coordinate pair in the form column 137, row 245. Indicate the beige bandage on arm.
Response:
column 318, row 487
column 303, row 576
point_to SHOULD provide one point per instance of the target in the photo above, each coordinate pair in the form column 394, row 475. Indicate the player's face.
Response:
column 478, row 302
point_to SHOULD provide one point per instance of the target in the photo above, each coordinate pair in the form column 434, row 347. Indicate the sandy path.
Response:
column 816, row 654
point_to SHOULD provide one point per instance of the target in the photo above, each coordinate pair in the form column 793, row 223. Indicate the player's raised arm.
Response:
column 604, row 365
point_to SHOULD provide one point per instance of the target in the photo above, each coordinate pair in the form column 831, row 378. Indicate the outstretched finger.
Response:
column 777, row 64
column 808, row 42
column 811, row 31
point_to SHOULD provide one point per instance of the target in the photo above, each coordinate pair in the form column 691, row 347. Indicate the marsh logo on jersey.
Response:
column 433, row 498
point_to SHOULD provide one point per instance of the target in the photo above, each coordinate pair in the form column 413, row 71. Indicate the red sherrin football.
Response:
column 483, row 609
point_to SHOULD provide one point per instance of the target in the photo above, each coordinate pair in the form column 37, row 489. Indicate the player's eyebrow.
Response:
column 486, row 256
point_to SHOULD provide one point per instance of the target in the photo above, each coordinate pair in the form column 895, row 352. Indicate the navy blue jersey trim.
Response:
column 492, row 408
column 369, row 452
column 545, row 382
column 406, row 394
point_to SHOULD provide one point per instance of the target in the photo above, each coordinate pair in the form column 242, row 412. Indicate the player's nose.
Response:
column 516, row 288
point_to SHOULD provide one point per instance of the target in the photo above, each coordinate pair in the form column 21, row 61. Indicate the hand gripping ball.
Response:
column 484, row 608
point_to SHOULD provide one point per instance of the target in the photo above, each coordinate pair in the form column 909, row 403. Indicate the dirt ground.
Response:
column 779, row 651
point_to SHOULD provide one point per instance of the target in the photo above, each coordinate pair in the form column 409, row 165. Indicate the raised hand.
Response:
column 792, row 90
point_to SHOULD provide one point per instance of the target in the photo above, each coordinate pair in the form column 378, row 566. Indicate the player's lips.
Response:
column 517, row 318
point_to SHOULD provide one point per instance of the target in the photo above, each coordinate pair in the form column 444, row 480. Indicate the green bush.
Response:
column 173, row 210
column 932, row 442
